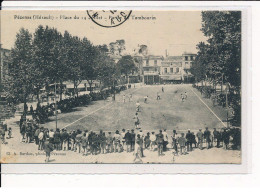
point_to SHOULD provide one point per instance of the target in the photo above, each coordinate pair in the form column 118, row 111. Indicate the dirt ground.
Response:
column 168, row 113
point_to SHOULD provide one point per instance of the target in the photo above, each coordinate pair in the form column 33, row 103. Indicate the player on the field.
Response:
column 158, row 96
column 124, row 98
column 182, row 97
column 137, row 106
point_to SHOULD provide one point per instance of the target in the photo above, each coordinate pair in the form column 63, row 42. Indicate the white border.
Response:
column 245, row 167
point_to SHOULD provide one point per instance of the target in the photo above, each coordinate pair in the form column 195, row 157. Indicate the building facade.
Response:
column 171, row 69
column 151, row 69
column 187, row 62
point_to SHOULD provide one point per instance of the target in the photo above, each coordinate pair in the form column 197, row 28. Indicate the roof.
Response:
column 153, row 57
column 187, row 53
column 173, row 58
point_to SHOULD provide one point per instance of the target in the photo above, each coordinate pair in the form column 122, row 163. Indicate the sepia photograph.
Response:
column 121, row 87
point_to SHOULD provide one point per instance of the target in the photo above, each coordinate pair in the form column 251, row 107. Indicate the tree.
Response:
column 143, row 50
column 220, row 59
column 90, row 53
column 116, row 48
column 21, row 68
column 126, row 65
column 224, row 31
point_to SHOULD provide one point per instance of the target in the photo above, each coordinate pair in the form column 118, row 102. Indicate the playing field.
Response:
column 168, row 113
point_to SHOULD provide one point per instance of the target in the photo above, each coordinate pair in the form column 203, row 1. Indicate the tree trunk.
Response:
column 90, row 86
column 61, row 90
column 74, row 88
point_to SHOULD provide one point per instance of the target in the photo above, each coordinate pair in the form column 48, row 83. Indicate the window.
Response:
column 186, row 58
column 177, row 69
column 165, row 70
column 147, row 62
column 171, row 70
column 191, row 58
column 155, row 62
column 186, row 63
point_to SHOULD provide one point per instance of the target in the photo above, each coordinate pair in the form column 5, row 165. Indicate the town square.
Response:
column 73, row 97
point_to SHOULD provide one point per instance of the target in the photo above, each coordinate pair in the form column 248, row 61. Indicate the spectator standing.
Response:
column 128, row 141
column 225, row 138
column 182, row 144
column 189, row 141
column 153, row 141
column 78, row 141
column 65, row 140
column 36, row 134
column 132, row 140
column 41, row 139
column 174, row 142
column 147, row 141
column 48, row 148
column 122, row 139
column 160, row 143
column 165, row 140
column 200, row 139
column 84, row 141
column 116, row 141
column 207, row 137
column 57, row 139
column 109, row 143
column 138, row 147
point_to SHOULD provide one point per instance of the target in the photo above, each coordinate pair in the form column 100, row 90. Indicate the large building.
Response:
column 188, row 59
column 171, row 69
column 151, row 69
column 4, row 54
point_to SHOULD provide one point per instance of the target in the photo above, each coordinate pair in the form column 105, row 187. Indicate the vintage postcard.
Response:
column 121, row 87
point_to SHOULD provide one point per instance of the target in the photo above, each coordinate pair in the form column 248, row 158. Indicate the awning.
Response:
column 171, row 77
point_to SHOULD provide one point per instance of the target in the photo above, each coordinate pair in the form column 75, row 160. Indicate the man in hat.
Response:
column 41, row 139
column 189, row 141
column 116, row 141
column 36, row 134
column 159, row 140
column 132, row 140
column 128, row 141
column 207, row 137
column 78, row 141
column 153, row 141
column 165, row 140
column 174, row 142
column 200, row 139
column 65, row 142
column 109, row 142
column 48, row 148
column 182, row 143
column 122, row 138
column 73, row 141
column 51, row 135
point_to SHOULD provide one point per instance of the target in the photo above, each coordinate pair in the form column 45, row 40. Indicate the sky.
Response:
column 174, row 31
